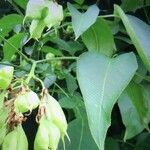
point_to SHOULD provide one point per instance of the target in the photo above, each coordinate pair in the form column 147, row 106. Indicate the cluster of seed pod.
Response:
column 51, row 118
column 52, row 124
column 14, row 106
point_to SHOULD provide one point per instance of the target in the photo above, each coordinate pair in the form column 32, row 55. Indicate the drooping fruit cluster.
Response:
column 51, row 118
column 52, row 123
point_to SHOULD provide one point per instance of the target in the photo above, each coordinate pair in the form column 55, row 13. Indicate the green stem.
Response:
column 39, row 80
column 61, row 89
column 56, row 58
column 121, row 141
column 108, row 16
column 19, row 52
column 31, row 74
column 53, row 30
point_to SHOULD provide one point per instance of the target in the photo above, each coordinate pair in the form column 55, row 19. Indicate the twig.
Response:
column 56, row 58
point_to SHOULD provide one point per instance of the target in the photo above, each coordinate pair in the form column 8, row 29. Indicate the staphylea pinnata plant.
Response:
column 81, row 72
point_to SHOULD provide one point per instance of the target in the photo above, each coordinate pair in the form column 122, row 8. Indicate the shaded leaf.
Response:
column 102, row 80
column 111, row 144
column 47, row 49
column 132, row 5
column 128, row 112
column 82, row 21
column 22, row 3
column 139, row 33
column 7, row 23
column 67, row 102
column 99, row 38
column 49, row 80
column 8, row 50
column 80, row 136
column 71, row 83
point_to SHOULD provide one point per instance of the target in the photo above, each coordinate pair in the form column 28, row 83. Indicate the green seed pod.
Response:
column 54, row 134
column 26, row 101
column 48, row 136
column 3, row 131
column 56, row 114
column 3, row 116
column 22, row 142
column 6, row 75
column 41, row 141
column 34, row 9
column 15, row 140
column 54, row 15
column 10, row 141
column 36, row 29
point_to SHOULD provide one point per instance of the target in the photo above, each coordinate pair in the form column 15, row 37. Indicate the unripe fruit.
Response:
column 55, row 14
column 10, row 141
column 56, row 114
column 3, row 131
column 36, row 29
column 6, row 75
column 41, row 141
column 3, row 116
column 47, row 137
column 26, row 101
column 50, row 55
column 15, row 140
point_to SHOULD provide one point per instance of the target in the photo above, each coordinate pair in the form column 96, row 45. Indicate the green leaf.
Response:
column 67, row 102
column 6, row 75
column 7, row 23
column 22, row 3
column 139, row 33
column 82, row 21
column 47, row 49
column 131, row 104
column 80, row 136
column 141, row 72
column 71, row 83
column 79, row 1
column 137, row 95
column 102, row 80
column 71, row 46
column 132, row 5
column 111, row 144
column 143, row 142
column 99, row 38
column 8, row 50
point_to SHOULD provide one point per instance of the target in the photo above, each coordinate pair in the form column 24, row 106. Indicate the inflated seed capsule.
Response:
column 56, row 114
column 41, row 141
column 15, row 140
column 48, row 135
column 26, row 101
